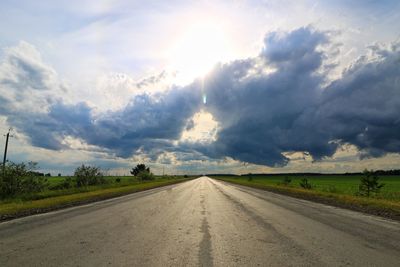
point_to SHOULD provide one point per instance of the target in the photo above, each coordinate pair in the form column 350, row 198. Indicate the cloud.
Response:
column 148, row 123
column 260, row 113
column 277, row 102
column 32, row 102
column 264, row 115
column 362, row 107
column 26, row 82
column 154, row 79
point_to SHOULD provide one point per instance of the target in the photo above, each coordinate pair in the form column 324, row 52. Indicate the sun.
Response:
column 197, row 50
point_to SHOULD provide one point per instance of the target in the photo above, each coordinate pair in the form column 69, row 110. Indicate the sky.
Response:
column 191, row 87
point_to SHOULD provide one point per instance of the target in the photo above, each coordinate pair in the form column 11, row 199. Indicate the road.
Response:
column 203, row 222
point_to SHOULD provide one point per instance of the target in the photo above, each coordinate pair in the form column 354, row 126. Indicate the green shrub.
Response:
column 305, row 184
column 139, row 168
column 88, row 175
column 145, row 176
column 17, row 179
column 118, row 180
column 65, row 184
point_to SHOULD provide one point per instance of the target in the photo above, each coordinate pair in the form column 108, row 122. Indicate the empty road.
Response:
column 203, row 222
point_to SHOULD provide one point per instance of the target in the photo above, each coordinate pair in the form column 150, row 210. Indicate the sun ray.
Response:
column 198, row 49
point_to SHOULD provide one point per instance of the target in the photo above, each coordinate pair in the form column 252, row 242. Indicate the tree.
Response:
column 88, row 175
column 369, row 183
column 140, row 168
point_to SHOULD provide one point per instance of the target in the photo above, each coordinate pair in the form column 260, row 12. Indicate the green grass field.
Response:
column 336, row 190
column 340, row 184
column 54, row 180
column 53, row 199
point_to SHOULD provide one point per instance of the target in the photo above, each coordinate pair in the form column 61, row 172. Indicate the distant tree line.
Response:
column 36, row 173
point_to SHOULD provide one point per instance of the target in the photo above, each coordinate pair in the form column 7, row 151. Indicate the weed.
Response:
column 305, row 184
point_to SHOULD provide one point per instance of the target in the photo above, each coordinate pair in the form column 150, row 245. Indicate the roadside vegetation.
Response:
column 368, row 192
column 25, row 191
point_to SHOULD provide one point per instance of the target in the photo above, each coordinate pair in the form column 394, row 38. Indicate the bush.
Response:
column 305, row 184
column 118, row 180
column 139, row 168
column 369, row 183
column 145, row 176
column 17, row 179
column 88, row 175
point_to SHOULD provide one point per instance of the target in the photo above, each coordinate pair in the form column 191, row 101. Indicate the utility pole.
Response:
column 5, row 149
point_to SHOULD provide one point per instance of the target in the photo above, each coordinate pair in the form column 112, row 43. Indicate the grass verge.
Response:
column 380, row 207
column 11, row 210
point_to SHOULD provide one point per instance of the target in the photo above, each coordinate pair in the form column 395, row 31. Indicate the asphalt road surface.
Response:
column 202, row 222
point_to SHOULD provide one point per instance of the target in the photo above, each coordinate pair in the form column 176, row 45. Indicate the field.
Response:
column 336, row 190
column 54, row 199
column 340, row 184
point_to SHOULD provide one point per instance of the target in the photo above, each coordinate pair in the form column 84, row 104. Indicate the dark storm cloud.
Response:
column 147, row 123
column 47, row 129
column 261, row 114
column 274, row 103
column 150, row 123
column 289, row 110
column 362, row 108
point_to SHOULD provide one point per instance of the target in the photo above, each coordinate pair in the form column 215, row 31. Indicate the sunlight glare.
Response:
column 197, row 50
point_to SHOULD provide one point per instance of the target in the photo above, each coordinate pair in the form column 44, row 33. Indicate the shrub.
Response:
column 145, row 176
column 88, row 175
column 16, row 179
column 139, row 168
column 369, row 183
column 118, row 180
column 65, row 184
column 305, row 184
